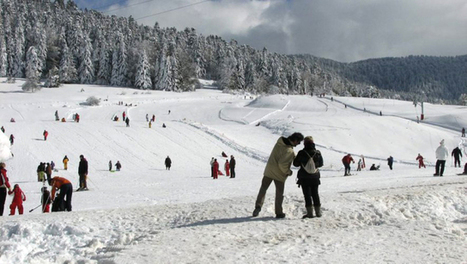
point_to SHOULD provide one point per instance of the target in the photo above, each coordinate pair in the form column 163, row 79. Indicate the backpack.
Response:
column 314, row 162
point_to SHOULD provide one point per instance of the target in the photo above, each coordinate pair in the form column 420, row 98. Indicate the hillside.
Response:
column 145, row 213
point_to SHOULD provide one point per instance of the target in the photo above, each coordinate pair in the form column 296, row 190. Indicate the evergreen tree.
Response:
column 86, row 67
column 143, row 76
column 119, row 63
column 33, row 65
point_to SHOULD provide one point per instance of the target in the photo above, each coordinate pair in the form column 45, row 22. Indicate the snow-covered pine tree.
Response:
column 86, row 67
column 119, row 63
column 67, row 69
column 143, row 75
column 105, row 65
column 33, row 65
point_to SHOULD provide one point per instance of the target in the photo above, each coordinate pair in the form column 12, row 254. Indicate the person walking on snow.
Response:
column 309, row 181
column 65, row 162
column 168, row 163
column 83, row 173
column 227, row 168
column 390, row 162
column 457, row 154
column 215, row 169
column 18, row 198
column 4, row 185
column 420, row 161
column 346, row 161
column 441, row 155
column 232, row 166
column 46, row 134
column 277, row 170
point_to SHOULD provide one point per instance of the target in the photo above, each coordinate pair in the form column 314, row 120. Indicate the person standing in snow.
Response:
column 66, row 190
column 147, row 118
column 110, row 165
column 4, row 185
column 212, row 169
column 390, row 162
column 309, row 181
column 227, row 168
column 52, row 165
column 463, row 132
column 12, row 139
column 65, row 162
column 46, row 134
column 18, row 198
column 127, row 121
column 441, row 156
column 48, row 171
column 232, row 166
column 3, row 129
column 457, row 154
column 346, row 161
column 83, row 173
column 215, row 169
column 359, row 165
column 118, row 166
column 56, row 116
column 168, row 163
column 420, row 161
column 123, row 115
column 277, row 170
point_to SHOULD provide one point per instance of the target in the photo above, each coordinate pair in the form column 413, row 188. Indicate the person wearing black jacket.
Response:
column 232, row 166
column 308, row 182
column 457, row 154
column 83, row 173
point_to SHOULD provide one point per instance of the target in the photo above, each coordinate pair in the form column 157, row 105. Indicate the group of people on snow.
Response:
column 229, row 167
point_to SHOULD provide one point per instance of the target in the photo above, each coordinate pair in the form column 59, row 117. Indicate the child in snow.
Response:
column 18, row 198
column 45, row 200
column 420, row 161
column 227, row 168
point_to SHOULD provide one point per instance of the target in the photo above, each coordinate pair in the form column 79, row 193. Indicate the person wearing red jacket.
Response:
column 227, row 168
column 18, row 198
column 346, row 161
column 420, row 161
column 46, row 134
column 4, row 185
column 215, row 169
column 66, row 189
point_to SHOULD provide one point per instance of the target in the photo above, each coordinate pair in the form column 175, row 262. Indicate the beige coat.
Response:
column 279, row 162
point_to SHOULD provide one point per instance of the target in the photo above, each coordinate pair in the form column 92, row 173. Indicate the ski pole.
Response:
column 35, row 208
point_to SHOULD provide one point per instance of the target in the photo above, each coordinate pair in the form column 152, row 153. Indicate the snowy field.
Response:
column 146, row 214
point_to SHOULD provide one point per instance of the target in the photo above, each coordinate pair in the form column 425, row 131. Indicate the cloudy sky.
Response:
column 342, row 30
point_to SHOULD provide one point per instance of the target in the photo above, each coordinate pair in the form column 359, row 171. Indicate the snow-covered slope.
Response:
column 146, row 214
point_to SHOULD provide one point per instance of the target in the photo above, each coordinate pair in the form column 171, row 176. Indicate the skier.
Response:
column 232, row 166
column 227, row 168
column 66, row 189
column 457, row 154
column 45, row 200
column 110, row 165
column 4, row 185
column 346, row 161
column 65, row 162
column 83, row 173
column 118, row 166
column 390, row 162
column 441, row 155
column 18, row 198
column 215, row 169
column 420, row 161
column 46, row 134
column 168, row 163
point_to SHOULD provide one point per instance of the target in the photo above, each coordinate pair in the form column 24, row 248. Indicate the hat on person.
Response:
column 442, row 142
column 309, row 138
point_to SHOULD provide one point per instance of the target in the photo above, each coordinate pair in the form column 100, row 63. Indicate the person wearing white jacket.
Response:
column 441, row 156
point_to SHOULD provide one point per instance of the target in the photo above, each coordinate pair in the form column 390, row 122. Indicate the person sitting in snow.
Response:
column 224, row 155
column 373, row 167
column 18, row 198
